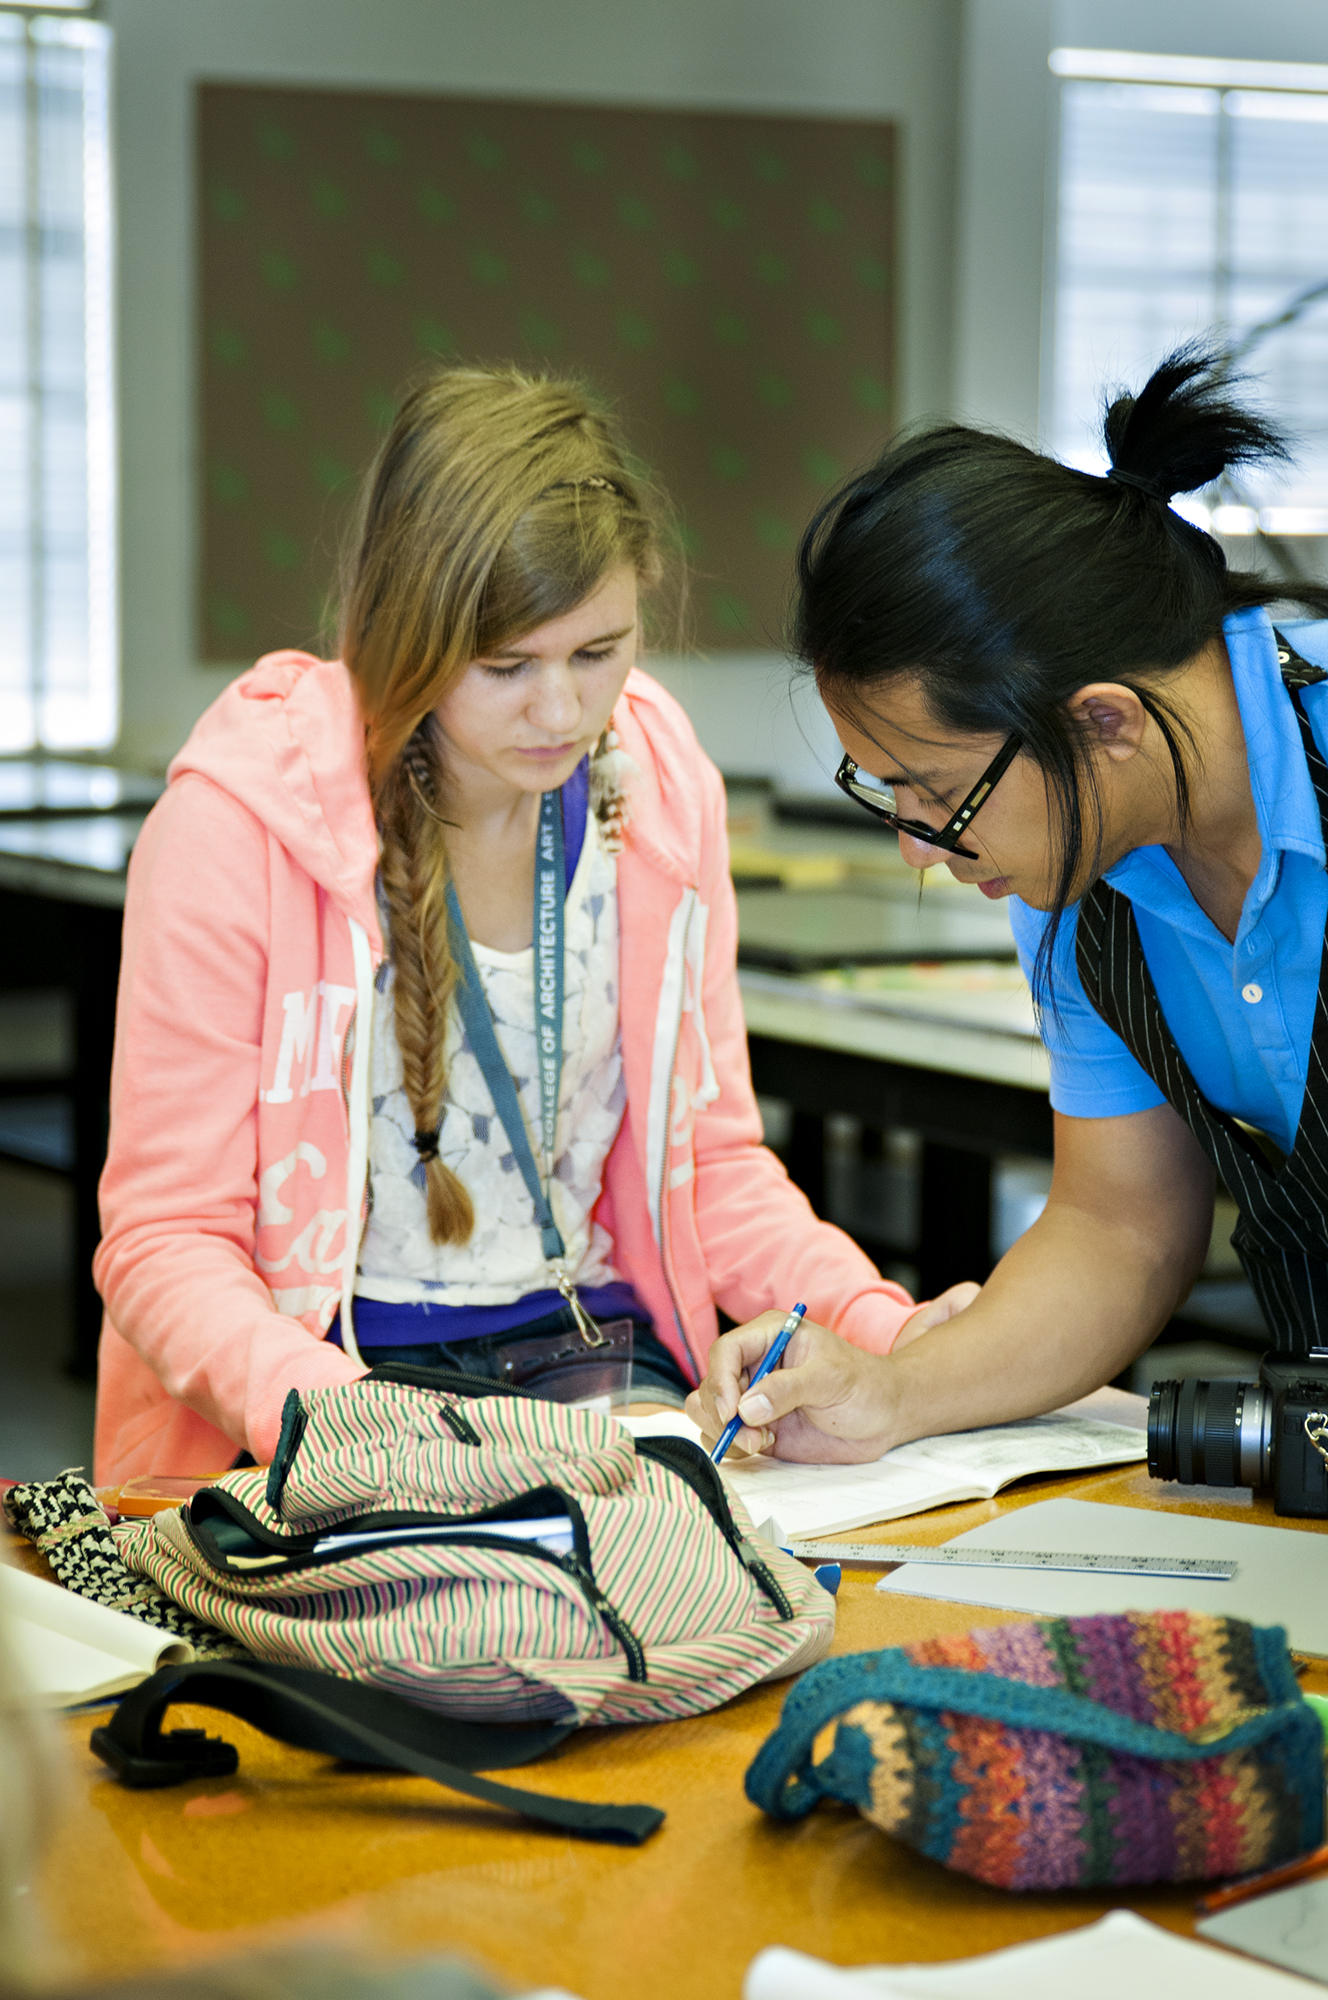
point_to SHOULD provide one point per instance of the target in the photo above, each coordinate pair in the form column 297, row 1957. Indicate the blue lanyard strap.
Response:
column 550, row 938
column 550, row 927
column 550, row 930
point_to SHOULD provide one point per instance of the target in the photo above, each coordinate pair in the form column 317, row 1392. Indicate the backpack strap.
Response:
column 344, row 1719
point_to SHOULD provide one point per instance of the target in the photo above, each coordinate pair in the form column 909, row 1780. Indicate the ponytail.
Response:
column 1182, row 431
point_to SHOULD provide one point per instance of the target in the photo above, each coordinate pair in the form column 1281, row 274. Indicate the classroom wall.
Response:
column 967, row 80
column 894, row 59
column 1005, row 136
column 1007, row 141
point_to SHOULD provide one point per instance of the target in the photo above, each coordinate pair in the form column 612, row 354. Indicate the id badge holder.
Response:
column 562, row 1368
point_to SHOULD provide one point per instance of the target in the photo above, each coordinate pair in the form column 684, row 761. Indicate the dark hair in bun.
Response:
column 1002, row 580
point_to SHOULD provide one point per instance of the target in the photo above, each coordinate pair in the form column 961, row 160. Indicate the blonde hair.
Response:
column 498, row 501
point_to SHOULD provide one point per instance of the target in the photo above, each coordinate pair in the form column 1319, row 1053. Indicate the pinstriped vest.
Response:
column 1282, row 1236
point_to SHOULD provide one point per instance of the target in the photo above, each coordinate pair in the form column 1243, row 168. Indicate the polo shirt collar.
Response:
column 1284, row 798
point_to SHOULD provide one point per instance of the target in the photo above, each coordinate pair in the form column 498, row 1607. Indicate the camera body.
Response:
column 1229, row 1433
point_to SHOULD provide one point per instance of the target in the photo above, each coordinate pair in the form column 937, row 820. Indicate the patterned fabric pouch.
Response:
column 1081, row 1752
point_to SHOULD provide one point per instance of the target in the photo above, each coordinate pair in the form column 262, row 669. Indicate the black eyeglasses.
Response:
column 879, row 801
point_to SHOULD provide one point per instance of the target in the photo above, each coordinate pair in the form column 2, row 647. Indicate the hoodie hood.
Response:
column 286, row 740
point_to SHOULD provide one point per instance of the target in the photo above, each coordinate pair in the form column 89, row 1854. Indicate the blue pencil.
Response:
column 774, row 1355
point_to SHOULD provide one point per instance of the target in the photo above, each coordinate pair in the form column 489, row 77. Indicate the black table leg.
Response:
column 806, row 1157
column 56, row 942
column 954, row 1235
column 96, row 980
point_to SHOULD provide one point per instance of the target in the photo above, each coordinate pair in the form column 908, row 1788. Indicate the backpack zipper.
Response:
column 294, row 1421
column 578, row 1565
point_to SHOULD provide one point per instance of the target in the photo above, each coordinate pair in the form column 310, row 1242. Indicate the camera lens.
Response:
column 1162, row 1430
column 1207, row 1433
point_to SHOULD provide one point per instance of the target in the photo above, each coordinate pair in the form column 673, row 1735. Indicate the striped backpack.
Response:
column 490, row 1556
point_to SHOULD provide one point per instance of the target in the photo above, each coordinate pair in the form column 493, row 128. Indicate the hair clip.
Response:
column 594, row 479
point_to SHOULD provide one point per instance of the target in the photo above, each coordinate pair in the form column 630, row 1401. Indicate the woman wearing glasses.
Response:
column 1052, row 682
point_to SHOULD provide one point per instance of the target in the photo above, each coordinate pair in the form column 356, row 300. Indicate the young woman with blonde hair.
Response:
column 429, row 1041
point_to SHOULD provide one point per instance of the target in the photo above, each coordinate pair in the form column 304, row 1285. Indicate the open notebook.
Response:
column 808, row 1500
column 69, row 1649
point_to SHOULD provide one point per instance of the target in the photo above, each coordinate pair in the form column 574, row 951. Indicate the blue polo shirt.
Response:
column 1241, row 1014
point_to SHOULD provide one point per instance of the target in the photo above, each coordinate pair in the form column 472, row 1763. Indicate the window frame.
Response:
column 1224, row 78
column 42, row 715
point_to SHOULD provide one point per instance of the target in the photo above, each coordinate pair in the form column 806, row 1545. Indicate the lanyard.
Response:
column 550, row 924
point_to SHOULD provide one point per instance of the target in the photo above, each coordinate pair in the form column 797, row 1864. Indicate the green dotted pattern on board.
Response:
column 725, row 281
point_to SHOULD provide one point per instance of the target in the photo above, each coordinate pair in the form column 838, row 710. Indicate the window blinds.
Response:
column 59, row 668
column 1186, row 209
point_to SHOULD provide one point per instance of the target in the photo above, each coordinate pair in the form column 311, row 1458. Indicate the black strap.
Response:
column 1280, row 1237
column 344, row 1719
column 1296, row 671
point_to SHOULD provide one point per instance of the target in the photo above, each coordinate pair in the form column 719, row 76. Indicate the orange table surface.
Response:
column 296, row 1848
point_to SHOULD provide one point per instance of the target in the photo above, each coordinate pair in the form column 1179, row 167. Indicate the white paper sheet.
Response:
column 1282, row 1579
column 553, row 1532
column 1120, row 1954
column 1288, row 1927
column 69, row 1649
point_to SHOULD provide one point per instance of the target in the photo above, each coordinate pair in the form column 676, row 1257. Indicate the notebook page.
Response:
column 990, row 1459
column 812, row 1500
column 820, row 1499
column 552, row 1532
column 69, row 1649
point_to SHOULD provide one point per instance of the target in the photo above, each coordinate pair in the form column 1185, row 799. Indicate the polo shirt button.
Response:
column 1252, row 993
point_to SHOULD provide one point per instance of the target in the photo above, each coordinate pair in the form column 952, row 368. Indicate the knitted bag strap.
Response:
column 65, row 1520
column 349, row 1720
column 782, row 1779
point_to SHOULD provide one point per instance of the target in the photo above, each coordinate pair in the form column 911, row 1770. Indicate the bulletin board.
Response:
column 725, row 281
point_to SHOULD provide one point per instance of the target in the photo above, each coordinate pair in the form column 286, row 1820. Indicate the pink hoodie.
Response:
column 239, row 1097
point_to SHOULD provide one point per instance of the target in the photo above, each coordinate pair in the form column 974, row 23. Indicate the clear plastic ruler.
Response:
column 949, row 1555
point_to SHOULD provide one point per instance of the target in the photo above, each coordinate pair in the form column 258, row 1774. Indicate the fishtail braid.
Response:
column 414, row 875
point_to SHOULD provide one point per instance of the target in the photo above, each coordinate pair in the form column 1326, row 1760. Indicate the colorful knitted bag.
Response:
column 1154, row 1747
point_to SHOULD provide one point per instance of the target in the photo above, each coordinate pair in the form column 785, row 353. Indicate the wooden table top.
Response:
column 293, row 1848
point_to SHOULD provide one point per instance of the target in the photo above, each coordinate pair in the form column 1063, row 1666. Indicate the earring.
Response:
column 610, row 769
